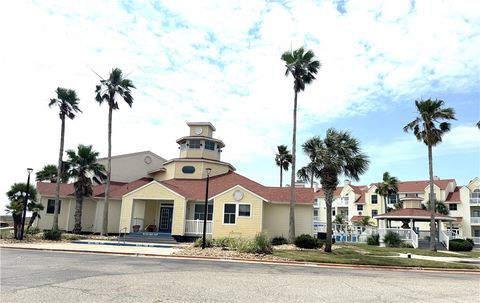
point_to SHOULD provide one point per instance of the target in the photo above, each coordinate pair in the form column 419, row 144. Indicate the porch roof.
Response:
column 412, row 213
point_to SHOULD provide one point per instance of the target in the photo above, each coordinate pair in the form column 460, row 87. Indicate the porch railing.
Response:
column 195, row 227
column 476, row 240
column 474, row 200
column 444, row 239
column 414, row 239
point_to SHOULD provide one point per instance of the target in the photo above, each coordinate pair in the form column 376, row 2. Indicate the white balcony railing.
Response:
column 474, row 200
column 474, row 220
column 316, row 218
column 443, row 238
column 195, row 227
column 476, row 240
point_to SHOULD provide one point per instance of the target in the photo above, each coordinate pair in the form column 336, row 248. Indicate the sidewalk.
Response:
column 95, row 248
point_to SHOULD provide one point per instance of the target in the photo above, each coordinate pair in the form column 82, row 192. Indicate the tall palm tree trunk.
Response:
column 291, row 223
column 432, row 201
column 281, row 174
column 109, row 172
column 385, row 203
column 328, row 202
column 59, row 173
column 311, row 180
column 32, row 219
column 78, row 214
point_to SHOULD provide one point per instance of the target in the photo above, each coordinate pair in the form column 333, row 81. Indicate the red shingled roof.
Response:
column 454, row 197
column 357, row 218
column 416, row 213
column 67, row 190
column 419, row 186
column 194, row 189
column 321, row 194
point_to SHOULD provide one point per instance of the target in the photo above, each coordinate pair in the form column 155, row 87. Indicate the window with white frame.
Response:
column 315, row 212
column 359, row 207
column 51, row 206
column 200, row 212
column 392, row 199
column 244, row 210
column 374, row 199
column 476, row 194
column 229, row 213
column 452, row 206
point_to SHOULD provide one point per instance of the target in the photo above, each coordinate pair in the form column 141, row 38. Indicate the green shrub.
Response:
column 279, row 240
column 225, row 242
column 471, row 241
column 72, row 237
column 406, row 245
column 33, row 231
column 199, row 242
column 306, row 241
column 392, row 239
column 460, row 245
column 373, row 240
column 262, row 244
column 53, row 235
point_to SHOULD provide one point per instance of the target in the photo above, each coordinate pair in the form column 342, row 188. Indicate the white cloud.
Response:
column 220, row 61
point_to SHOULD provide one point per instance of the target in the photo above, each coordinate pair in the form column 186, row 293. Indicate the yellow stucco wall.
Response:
column 246, row 227
column 276, row 218
column 154, row 191
column 206, row 130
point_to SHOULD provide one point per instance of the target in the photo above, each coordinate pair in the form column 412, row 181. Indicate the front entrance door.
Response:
column 165, row 219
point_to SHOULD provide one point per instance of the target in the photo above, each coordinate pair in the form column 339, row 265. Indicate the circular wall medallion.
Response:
column 238, row 195
column 147, row 160
column 198, row 130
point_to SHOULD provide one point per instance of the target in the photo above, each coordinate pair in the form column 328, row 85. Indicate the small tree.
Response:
column 16, row 195
column 283, row 159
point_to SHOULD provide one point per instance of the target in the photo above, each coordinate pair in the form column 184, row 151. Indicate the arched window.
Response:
column 476, row 194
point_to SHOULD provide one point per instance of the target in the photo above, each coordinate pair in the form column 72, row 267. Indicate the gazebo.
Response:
column 412, row 213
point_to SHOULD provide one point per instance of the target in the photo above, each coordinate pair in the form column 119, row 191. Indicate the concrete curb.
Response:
column 238, row 260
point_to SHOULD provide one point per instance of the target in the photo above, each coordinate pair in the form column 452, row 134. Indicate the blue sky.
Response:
column 219, row 61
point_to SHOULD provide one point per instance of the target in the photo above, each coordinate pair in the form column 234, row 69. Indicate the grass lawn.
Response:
column 377, row 250
column 370, row 255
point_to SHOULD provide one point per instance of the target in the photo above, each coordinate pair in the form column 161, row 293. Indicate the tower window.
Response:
column 209, row 145
column 194, row 144
column 188, row 169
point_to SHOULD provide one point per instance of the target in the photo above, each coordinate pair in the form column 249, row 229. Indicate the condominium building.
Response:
column 353, row 202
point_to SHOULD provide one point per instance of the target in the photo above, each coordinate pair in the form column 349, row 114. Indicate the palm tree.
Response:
column 16, row 195
column 425, row 129
column 283, row 158
column 440, row 207
column 67, row 101
column 478, row 124
column 310, row 149
column 83, row 164
column 49, row 173
column 339, row 153
column 109, row 90
column 303, row 67
column 303, row 174
column 386, row 188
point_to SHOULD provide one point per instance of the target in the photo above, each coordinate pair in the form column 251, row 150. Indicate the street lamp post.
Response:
column 29, row 170
column 205, row 212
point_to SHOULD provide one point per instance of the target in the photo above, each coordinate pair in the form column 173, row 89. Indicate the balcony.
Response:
column 474, row 220
column 476, row 240
column 341, row 202
column 316, row 218
column 475, row 201
column 195, row 227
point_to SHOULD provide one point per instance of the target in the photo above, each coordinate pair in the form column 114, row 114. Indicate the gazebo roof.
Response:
column 417, row 214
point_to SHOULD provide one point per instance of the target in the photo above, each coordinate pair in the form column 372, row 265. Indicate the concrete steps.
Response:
column 425, row 244
column 148, row 237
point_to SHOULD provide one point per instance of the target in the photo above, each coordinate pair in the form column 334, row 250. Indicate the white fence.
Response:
column 444, row 239
column 195, row 227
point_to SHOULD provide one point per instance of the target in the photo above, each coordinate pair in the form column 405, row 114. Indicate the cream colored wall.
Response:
column 174, row 170
column 246, row 227
column 206, row 130
column 154, row 191
column 276, row 218
column 113, row 216
column 65, row 215
column 152, row 209
column 88, row 215
column 127, row 168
